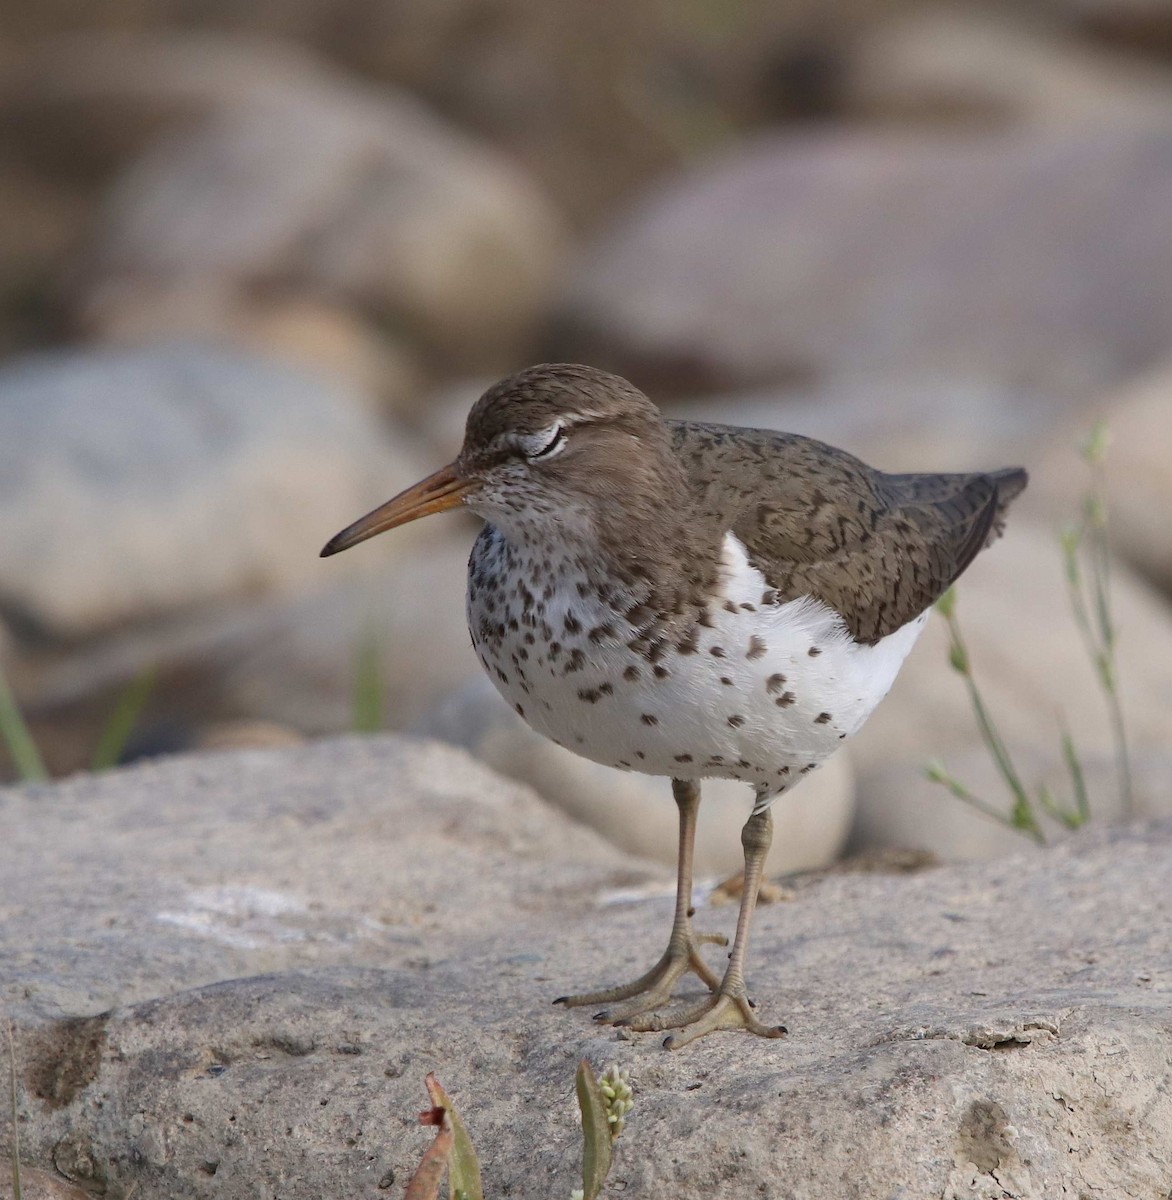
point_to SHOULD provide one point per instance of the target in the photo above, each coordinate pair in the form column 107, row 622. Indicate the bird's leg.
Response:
column 654, row 988
column 729, row 1007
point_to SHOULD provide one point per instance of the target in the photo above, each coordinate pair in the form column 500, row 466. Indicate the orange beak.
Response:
column 437, row 493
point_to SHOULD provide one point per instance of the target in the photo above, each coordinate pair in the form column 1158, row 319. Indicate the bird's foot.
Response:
column 654, row 988
column 727, row 1008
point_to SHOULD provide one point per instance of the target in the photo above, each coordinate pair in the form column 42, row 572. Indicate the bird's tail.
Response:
column 1010, row 483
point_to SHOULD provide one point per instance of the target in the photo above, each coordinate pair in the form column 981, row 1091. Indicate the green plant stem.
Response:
column 1023, row 815
column 26, row 757
column 939, row 775
column 1122, row 753
column 1098, row 631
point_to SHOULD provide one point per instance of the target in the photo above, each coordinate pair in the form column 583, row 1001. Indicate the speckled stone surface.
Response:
column 230, row 973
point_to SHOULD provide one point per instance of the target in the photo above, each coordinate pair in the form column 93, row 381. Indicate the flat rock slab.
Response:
column 230, row 974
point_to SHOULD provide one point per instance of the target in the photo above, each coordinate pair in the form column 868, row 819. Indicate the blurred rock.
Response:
column 248, row 735
column 379, row 370
column 910, row 425
column 440, row 414
column 636, row 812
column 393, row 609
column 1033, row 259
column 139, row 483
column 900, row 807
column 1033, row 672
column 1137, row 472
column 264, row 170
column 593, row 99
column 79, row 105
column 40, row 220
column 405, row 621
column 1141, row 26
column 993, row 66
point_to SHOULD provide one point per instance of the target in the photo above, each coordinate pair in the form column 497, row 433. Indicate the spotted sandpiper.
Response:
column 690, row 600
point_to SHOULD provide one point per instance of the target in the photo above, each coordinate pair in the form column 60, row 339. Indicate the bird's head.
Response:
column 550, row 448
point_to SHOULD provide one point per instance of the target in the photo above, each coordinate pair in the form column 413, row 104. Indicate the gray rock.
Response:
column 636, row 812
column 283, row 177
column 230, row 974
column 1036, row 259
column 133, row 484
column 38, row 1185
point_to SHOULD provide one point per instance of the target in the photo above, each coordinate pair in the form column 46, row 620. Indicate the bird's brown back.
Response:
column 815, row 520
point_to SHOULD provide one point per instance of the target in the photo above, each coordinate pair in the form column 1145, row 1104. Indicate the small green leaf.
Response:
column 958, row 658
column 946, row 605
column 463, row 1166
column 597, row 1152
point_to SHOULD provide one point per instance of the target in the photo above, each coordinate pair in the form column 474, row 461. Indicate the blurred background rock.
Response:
column 257, row 260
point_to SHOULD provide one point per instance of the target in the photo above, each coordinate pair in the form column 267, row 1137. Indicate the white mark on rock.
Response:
column 240, row 915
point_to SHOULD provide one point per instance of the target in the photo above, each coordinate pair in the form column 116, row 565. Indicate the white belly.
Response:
column 769, row 693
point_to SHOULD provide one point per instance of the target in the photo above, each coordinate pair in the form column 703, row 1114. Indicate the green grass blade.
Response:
column 1049, row 804
column 1082, row 800
column 369, row 702
column 120, row 725
column 14, row 732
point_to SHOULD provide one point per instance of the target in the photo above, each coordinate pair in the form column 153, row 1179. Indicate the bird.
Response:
column 690, row 600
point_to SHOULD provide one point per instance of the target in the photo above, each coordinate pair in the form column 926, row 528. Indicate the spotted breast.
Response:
column 756, row 689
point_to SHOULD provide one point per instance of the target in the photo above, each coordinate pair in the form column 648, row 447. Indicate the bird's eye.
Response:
column 554, row 442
